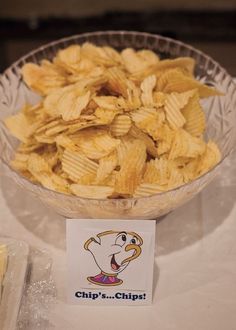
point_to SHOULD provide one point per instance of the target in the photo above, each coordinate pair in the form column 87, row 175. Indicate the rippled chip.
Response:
column 91, row 191
column 106, row 102
column 120, row 125
column 175, row 80
column 19, row 126
column 117, row 81
column 99, row 55
column 43, row 79
column 78, row 166
column 95, row 144
column 149, row 120
column 174, row 102
column 69, row 58
column 194, row 116
column 147, row 86
column 186, row 64
column 140, row 135
column 209, row 159
column 147, row 189
column 106, row 166
column 131, row 170
column 185, row 145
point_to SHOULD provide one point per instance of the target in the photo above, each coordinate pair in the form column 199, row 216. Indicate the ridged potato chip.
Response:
column 117, row 81
column 186, row 145
column 185, row 63
column 106, row 116
column 95, row 144
column 147, row 86
column 132, row 61
column 176, row 81
column 120, row 125
column 42, row 79
column 20, row 126
column 69, row 58
column 148, row 120
column 209, row 159
column 157, row 171
column 174, row 102
column 148, row 56
column 106, row 102
column 131, row 170
column 136, row 133
column 97, row 54
column 147, row 189
column 106, row 166
column 77, row 165
column 91, row 191
column 20, row 162
column 194, row 116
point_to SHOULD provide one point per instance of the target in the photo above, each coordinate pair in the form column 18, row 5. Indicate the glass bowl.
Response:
column 220, row 113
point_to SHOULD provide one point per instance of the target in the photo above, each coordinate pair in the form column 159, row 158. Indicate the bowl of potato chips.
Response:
column 115, row 124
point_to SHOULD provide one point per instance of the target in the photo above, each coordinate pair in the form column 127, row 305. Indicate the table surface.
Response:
column 195, row 263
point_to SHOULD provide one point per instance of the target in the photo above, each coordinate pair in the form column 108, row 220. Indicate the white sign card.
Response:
column 110, row 261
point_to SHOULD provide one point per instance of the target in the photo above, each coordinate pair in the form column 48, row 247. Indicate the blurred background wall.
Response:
column 207, row 24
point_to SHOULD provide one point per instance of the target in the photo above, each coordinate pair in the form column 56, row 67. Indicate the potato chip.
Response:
column 131, row 170
column 31, row 145
column 37, row 163
column 98, row 55
column 139, row 134
column 176, row 178
column 69, row 58
column 132, row 61
column 157, row 171
column 147, row 189
column 77, row 165
column 176, row 81
column 117, row 81
column 115, row 55
column 147, row 86
column 42, row 79
column 209, row 159
column 41, row 138
column 19, row 126
column 174, row 102
column 185, row 63
column 66, row 142
column 95, row 144
column 120, row 125
column 133, row 96
column 106, row 102
column 194, row 116
column 185, row 145
column 159, row 99
column 106, row 166
column 106, row 116
column 89, row 191
column 148, row 119
column 124, row 148
column 148, row 56
column 20, row 162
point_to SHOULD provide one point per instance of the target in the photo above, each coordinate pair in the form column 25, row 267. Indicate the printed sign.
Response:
column 110, row 261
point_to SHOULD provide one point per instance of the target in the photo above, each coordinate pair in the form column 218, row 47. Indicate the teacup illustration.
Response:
column 112, row 252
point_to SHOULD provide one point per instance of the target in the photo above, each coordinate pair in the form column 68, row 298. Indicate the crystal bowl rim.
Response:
column 117, row 32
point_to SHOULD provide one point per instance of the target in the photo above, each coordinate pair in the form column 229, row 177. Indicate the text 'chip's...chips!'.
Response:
column 113, row 124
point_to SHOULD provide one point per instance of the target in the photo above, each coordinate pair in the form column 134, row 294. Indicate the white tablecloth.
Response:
column 195, row 264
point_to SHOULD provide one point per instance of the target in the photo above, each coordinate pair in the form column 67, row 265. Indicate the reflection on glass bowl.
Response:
column 220, row 114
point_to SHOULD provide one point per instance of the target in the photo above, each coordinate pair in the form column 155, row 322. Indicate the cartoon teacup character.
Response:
column 112, row 252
